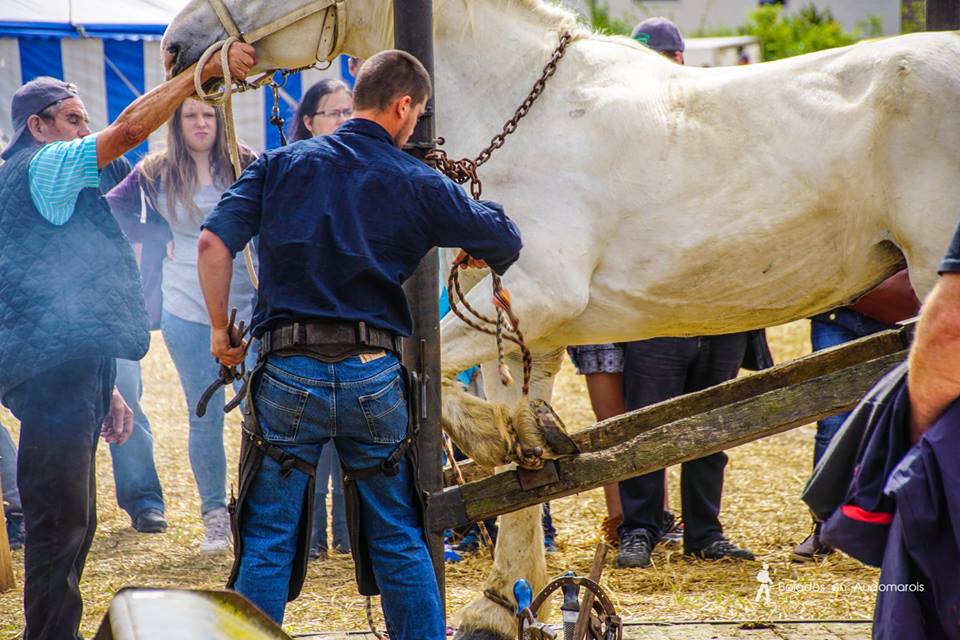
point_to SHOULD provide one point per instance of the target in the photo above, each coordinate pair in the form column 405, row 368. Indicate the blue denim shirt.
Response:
column 344, row 220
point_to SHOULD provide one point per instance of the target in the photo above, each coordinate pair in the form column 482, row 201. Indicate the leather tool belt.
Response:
column 327, row 332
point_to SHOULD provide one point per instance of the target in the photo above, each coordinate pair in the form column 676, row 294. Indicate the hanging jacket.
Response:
column 919, row 591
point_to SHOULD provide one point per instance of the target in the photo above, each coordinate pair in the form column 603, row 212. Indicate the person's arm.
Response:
column 149, row 112
column 125, row 204
column 215, row 264
column 934, row 377
column 228, row 228
column 480, row 228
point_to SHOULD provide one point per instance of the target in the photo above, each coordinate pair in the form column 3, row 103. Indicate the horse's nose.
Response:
column 171, row 59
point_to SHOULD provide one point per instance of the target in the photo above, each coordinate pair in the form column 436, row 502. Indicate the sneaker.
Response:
column 634, row 550
column 812, row 548
column 720, row 549
column 218, row 537
column 450, row 556
column 16, row 534
column 317, row 553
column 550, row 545
column 470, row 542
column 672, row 529
column 150, row 521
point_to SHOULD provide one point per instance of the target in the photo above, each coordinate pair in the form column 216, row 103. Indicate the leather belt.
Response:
column 318, row 333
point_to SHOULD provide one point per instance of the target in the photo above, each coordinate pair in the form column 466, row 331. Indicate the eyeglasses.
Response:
column 334, row 113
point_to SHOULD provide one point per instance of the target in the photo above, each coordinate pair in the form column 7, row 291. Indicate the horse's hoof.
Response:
column 478, row 634
column 553, row 429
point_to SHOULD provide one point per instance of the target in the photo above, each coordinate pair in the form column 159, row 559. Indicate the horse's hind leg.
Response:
column 519, row 552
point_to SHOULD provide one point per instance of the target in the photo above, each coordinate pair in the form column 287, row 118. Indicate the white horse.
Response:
column 655, row 199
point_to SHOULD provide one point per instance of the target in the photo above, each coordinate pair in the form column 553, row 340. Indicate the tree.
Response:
column 810, row 29
column 598, row 16
column 781, row 34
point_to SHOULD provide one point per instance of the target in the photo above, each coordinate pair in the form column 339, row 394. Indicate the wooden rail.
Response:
column 736, row 412
column 6, row 562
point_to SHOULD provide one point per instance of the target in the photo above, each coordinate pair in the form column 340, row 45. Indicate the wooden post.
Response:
column 619, row 429
column 677, row 441
column 413, row 32
column 6, row 562
column 943, row 15
column 586, row 607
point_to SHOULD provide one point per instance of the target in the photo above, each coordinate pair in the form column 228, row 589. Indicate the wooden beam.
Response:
column 686, row 438
column 6, row 562
column 619, row 429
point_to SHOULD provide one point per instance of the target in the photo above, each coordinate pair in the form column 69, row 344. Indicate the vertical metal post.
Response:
column 413, row 29
column 943, row 15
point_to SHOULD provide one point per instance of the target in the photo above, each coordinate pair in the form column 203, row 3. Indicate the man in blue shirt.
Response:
column 70, row 304
column 343, row 221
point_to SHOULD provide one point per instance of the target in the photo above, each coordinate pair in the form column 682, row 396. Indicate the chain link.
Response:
column 506, row 325
column 524, row 108
column 465, row 170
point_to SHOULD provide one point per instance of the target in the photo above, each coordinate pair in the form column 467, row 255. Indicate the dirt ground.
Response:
column 761, row 510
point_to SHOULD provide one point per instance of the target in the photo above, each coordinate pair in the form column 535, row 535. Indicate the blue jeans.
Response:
column 134, row 471
column 302, row 403
column 328, row 472
column 828, row 330
column 189, row 346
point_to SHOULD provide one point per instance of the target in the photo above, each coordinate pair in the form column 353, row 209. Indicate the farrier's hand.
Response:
column 221, row 350
column 242, row 57
column 465, row 261
column 118, row 423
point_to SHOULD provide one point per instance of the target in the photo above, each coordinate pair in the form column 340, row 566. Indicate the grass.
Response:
column 761, row 510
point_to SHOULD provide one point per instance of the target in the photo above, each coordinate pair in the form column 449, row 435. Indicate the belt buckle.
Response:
column 363, row 333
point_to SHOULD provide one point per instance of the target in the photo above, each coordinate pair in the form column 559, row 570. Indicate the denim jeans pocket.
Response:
column 386, row 412
column 279, row 408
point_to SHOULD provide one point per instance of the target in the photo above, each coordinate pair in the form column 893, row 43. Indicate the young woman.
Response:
column 180, row 185
column 325, row 106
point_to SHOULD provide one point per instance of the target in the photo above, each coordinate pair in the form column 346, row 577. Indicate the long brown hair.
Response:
column 174, row 169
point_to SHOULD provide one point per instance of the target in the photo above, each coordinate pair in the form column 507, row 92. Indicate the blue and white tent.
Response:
column 111, row 50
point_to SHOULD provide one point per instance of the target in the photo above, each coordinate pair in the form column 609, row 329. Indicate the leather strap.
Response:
column 300, row 334
column 332, row 33
column 290, row 18
column 226, row 19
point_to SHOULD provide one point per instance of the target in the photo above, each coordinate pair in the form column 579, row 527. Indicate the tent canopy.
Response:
column 110, row 49
column 135, row 19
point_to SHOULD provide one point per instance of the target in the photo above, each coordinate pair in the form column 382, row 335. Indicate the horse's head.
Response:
column 367, row 25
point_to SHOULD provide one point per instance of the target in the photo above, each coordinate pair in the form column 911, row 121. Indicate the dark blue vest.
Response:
column 65, row 292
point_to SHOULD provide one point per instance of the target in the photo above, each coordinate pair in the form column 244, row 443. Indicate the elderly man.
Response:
column 70, row 304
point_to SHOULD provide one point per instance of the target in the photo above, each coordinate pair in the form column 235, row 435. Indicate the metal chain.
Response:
column 524, row 108
column 506, row 326
column 465, row 170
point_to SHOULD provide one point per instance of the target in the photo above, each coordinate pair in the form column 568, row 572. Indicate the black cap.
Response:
column 658, row 34
column 31, row 99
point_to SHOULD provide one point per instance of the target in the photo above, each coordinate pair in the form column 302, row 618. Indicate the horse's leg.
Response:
column 519, row 552
column 490, row 430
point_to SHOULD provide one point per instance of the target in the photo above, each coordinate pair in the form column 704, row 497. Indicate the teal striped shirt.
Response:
column 57, row 174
